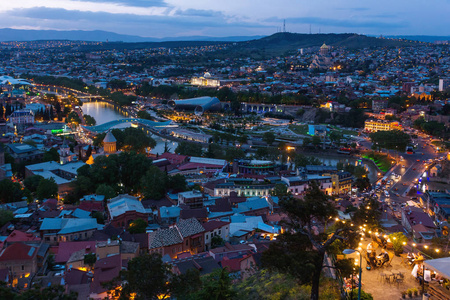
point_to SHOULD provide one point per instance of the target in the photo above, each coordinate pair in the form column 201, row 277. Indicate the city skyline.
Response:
column 175, row 18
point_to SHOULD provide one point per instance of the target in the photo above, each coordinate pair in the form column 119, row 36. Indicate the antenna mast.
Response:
column 284, row 25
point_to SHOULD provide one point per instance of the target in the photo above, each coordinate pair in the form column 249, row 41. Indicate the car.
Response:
column 414, row 169
column 418, row 160
column 58, row 267
column 403, row 166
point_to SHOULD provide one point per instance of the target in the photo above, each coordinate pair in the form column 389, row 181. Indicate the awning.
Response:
column 440, row 265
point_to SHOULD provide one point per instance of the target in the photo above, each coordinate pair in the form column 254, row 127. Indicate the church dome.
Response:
column 109, row 138
column 324, row 46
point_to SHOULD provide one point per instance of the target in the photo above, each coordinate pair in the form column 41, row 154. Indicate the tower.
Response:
column 284, row 25
column 64, row 154
column 109, row 143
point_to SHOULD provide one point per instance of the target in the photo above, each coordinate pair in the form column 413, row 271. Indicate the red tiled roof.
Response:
column 20, row 236
column 67, row 248
column 211, row 225
column 173, row 158
column 190, row 166
column 106, row 269
column 91, row 206
column 233, row 265
column 18, row 251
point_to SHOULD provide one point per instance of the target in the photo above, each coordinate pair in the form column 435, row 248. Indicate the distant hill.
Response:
column 293, row 41
column 8, row 34
column 421, row 38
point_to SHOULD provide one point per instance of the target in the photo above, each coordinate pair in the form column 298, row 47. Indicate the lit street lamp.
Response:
column 351, row 251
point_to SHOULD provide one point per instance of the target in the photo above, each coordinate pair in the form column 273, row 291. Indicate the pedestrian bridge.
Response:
column 108, row 125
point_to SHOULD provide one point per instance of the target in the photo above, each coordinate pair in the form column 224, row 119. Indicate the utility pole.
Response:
column 284, row 25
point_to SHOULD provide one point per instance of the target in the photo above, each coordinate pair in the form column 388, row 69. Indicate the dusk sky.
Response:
column 171, row 18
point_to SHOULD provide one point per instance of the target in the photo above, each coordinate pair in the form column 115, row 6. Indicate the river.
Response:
column 104, row 112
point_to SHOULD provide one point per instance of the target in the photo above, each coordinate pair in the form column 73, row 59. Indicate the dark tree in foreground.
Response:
column 300, row 251
column 148, row 277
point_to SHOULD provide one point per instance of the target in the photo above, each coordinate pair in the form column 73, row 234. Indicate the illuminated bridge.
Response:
column 106, row 126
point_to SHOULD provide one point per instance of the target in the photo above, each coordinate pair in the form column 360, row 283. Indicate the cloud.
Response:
column 347, row 23
column 136, row 3
column 171, row 22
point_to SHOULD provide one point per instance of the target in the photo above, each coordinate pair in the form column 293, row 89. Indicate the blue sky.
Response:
column 172, row 18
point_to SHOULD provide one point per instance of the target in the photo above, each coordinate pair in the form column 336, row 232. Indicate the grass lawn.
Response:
column 345, row 131
column 299, row 129
column 381, row 160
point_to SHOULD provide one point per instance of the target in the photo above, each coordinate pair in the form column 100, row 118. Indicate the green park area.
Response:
column 299, row 129
column 381, row 160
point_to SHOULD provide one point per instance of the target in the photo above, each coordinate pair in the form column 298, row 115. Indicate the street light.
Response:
column 351, row 251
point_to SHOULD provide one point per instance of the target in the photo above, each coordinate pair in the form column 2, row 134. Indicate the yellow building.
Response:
column 381, row 125
column 109, row 143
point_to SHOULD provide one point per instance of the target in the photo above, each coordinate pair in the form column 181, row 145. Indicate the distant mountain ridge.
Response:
column 8, row 34
column 421, row 38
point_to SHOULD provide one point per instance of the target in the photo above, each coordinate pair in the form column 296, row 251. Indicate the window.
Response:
column 220, row 231
column 207, row 237
column 23, row 267
column 187, row 242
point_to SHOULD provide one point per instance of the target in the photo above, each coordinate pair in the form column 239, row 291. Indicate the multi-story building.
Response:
column 381, row 125
column 124, row 209
column 444, row 84
column 379, row 105
column 342, row 182
column 22, row 117
column 193, row 199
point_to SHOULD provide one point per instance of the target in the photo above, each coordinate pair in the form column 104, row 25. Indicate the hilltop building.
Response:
column 322, row 60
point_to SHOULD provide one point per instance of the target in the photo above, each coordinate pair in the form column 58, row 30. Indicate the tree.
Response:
column 32, row 182
column 47, row 188
column 217, row 241
column 242, row 139
column 154, row 183
column 5, row 216
column 90, row 259
column 368, row 213
column 217, row 286
column 397, row 239
column 300, row 251
column 177, row 183
column 268, row 137
column 137, row 226
column 147, row 277
column 51, row 155
column 90, row 121
column 234, row 153
column 393, row 139
column 10, row 191
column 189, row 149
column 105, row 190
column 73, row 118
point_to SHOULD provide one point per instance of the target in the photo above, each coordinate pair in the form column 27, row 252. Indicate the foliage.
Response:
column 10, row 191
column 397, row 239
column 90, row 121
column 217, row 286
column 105, row 190
column 32, row 182
column 90, row 259
column 148, row 277
column 381, row 160
column 392, row 139
column 5, row 216
column 129, row 139
column 300, row 250
column 189, row 149
column 364, row 295
column 269, row 137
column 217, row 241
column 51, row 155
column 47, row 188
column 137, row 226
column 154, row 183
column 73, row 118
column 430, row 127
column 177, row 183
column 301, row 160
column 368, row 213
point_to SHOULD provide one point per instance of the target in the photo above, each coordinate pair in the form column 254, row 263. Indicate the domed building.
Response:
column 323, row 59
column 109, row 143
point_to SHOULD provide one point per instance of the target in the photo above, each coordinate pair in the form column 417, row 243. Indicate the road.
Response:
column 412, row 167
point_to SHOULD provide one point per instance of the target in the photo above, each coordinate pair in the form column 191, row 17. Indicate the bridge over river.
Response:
column 108, row 125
